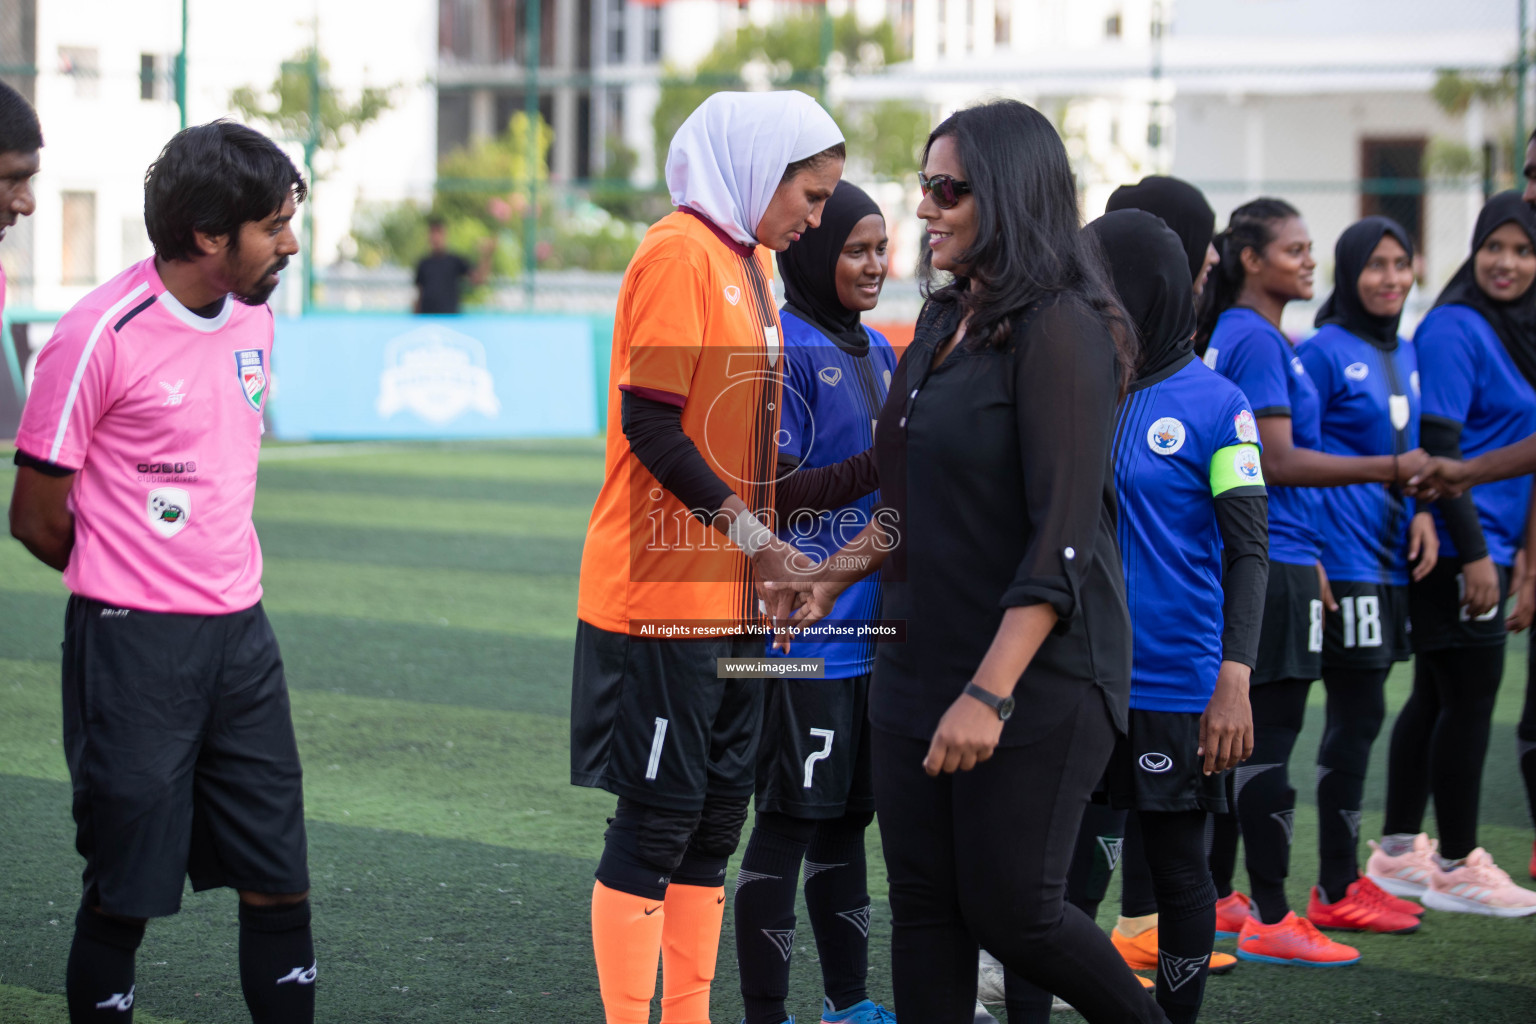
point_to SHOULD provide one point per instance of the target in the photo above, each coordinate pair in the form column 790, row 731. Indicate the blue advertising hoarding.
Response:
column 394, row 376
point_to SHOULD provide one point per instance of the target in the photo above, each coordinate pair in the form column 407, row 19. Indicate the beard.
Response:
column 258, row 293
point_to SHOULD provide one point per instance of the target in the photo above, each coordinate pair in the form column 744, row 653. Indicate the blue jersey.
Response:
column 1370, row 403
column 1181, row 441
column 1470, row 379
column 832, row 398
column 1250, row 352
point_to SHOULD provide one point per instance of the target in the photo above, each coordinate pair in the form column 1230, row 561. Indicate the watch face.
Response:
column 1005, row 709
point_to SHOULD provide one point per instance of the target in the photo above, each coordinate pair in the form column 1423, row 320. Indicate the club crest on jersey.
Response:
column 1298, row 366
column 1166, row 436
column 830, row 374
column 732, row 294
column 1247, row 429
column 253, row 376
column 1357, row 371
column 1155, row 763
column 169, row 508
column 1397, row 407
column 1413, row 382
column 1246, row 465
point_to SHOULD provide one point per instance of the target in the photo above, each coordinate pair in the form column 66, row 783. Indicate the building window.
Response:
column 151, row 77
column 1392, row 183
column 82, row 64
column 1002, row 23
column 1112, row 26
column 79, row 222
column 615, row 26
column 652, row 16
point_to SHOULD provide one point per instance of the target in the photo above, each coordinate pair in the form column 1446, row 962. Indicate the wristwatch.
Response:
column 1002, row 705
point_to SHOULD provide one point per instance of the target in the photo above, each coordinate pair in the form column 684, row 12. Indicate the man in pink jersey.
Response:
column 137, row 453
column 20, row 139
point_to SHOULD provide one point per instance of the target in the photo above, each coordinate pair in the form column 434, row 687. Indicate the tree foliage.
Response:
column 784, row 54
column 481, row 192
column 285, row 106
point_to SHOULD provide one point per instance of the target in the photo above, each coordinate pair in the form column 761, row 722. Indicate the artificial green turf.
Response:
column 424, row 596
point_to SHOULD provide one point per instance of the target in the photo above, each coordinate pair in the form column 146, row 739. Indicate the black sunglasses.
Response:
column 944, row 189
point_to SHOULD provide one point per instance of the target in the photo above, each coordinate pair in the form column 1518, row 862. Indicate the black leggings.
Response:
column 1440, row 742
column 982, row 857
column 1266, row 802
column 1173, row 845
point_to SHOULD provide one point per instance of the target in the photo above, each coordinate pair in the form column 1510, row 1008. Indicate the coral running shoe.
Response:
column 1363, row 909
column 1232, row 911
column 1407, row 874
column 1140, row 952
column 1293, row 941
column 1393, row 903
column 1478, row 886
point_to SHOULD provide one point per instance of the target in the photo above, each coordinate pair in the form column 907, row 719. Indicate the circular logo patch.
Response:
column 1155, row 763
column 1166, row 436
column 1246, row 464
column 1357, row 371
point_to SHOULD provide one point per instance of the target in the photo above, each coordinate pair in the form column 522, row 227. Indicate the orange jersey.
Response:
column 696, row 327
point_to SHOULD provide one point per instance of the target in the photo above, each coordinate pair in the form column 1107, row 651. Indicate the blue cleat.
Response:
column 864, row 1012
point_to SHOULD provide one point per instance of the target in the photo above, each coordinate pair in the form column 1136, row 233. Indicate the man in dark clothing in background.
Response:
column 440, row 274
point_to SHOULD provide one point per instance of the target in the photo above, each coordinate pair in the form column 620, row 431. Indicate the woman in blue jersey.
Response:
column 1368, row 384
column 814, row 795
column 1193, row 538
column 1266, row 263
column 1477, row 351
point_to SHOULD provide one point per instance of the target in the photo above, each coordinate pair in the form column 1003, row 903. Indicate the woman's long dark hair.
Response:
column 1253, row 226
column 1030, row 244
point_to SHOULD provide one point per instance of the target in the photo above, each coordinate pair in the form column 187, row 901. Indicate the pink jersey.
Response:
column 159, row 412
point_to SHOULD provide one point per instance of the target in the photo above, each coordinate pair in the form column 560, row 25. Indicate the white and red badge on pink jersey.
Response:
column 159, row 412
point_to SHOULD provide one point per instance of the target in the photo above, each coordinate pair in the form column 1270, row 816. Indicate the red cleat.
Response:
column 1363, row 909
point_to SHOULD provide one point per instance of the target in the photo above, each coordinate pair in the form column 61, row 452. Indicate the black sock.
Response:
column 277, row 963
column 765, row 920
column 1356, row 708
column 1136, row 896
column 1222, row 833
column 837, row 898
column 99, row 979
column 1186, row 909
column 1262, row 793
column 1099, row 850
column 1525, row 735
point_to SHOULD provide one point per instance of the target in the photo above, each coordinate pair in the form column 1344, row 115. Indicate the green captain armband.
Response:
column 1235, row 470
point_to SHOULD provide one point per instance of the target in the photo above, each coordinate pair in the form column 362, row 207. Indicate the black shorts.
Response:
column 179, row 739
column 1155, row 766
column 1291, row 637
column 1439, row 620
column 652, row 722
column 1370, row 629
column 814, row 758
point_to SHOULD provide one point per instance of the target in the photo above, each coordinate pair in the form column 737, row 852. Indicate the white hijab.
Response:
column 729, row 156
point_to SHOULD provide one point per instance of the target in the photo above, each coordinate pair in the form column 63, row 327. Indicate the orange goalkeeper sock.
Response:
column 690, row 944
column 626, row 939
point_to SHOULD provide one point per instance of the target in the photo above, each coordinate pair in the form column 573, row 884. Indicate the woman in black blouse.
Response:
column 999, row 529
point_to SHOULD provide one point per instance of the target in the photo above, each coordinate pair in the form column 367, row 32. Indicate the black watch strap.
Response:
column 1002, row 705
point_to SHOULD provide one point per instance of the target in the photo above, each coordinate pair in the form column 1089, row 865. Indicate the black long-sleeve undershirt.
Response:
column 1440, row 436
column 655, row 433
column 1244, row 525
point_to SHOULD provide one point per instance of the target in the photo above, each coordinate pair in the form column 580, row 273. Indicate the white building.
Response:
column 105, row 96
column 1326, row 104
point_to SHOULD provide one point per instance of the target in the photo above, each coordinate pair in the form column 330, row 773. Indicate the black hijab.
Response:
column 1146, row 259
column 1350, row 255
column 1514, row 322
column 809, row 267
column 1180, row 205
